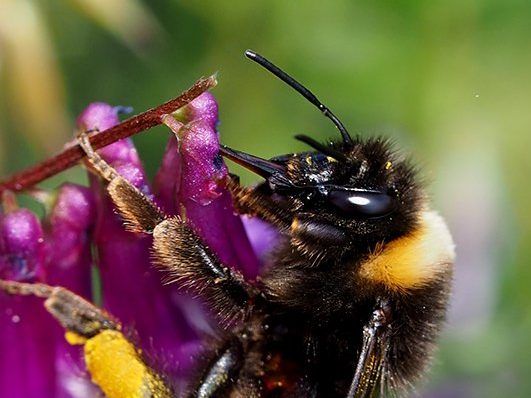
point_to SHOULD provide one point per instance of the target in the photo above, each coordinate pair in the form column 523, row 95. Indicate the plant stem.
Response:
column 72, row 155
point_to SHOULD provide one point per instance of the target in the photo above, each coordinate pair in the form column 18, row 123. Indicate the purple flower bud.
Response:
column 68, row 239
column 121, row 154
column 190, row 183
column 98, row 116
column 203, row 168
column 21, row 246
column 204, row 108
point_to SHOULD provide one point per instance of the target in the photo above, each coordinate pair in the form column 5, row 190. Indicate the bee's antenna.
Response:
column 301, row 90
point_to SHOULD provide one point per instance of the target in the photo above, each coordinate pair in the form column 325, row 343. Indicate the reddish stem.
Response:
column 72, row 155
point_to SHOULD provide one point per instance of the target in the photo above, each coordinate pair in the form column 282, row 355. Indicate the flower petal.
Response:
column 263, row 236
column 28, row 352
column 27, row 368
column 168, row 179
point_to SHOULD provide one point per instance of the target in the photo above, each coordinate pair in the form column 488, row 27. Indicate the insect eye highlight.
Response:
column 367, row 204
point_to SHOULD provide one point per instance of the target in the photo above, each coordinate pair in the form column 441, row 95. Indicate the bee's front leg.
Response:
column 176, row 246
column 178, row 249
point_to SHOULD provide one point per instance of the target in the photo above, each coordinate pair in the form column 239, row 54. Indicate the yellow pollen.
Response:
column 74, row 338
column 116, row 367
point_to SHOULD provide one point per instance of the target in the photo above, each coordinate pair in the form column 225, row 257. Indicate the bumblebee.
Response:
column 349, row 305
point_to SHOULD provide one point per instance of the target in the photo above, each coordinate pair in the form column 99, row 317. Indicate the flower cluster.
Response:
column 81, row 244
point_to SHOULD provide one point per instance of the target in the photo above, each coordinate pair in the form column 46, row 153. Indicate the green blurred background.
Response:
column 448, row 80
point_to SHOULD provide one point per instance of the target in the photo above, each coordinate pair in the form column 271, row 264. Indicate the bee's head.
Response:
column 347, row 194
column 344, row 195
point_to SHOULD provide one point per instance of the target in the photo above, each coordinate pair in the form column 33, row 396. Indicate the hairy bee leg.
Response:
column 176, row 246
column 113, row 362
column 251, row 202
column 74, row 313
column 178, row 249
column 140, row 214
column 101, row 166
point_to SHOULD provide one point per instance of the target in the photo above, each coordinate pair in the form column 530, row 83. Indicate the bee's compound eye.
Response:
column 362, row 203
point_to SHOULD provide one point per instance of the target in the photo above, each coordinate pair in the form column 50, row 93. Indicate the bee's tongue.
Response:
column 262, row 167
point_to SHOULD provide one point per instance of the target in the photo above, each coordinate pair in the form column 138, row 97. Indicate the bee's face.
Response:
column 366, row 196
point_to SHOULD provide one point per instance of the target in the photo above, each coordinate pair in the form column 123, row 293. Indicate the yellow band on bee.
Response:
column 117, row 368
column 412, row 261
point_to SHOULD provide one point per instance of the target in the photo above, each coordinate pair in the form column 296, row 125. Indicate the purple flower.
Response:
column 36, row 360
column 167, row 324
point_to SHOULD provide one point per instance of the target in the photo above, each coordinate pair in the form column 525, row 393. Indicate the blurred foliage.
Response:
column 449, row 81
